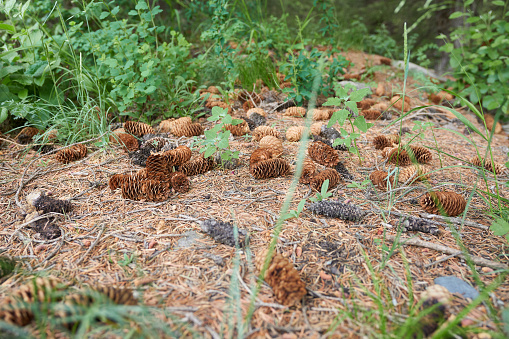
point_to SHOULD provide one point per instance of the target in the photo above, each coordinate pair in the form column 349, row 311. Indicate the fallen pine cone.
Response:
column 371, row 114
column 365, row 103
column 169, row 125
column 259, row 154
column 488, row 165
column 295, row 111
column 187, row 130
column 274, row 144
column 308, row 171
column 451, row 203
column 256, row 110
column 397, row 103
column 320, row 114
column 115, row 181
column 157, row 167
column 129, row 142
column 383, row 141
column 413, row 172
column 295, row 133
column 341, row 169
column 178, row 156
column 316, row 128
column 223, row 232
column 323, row 154
column 199, row 165
column 180, row 182
column 26, row 135
column 73, row 153
column 336, row 209
column 138, row 129
column 422, row 154
column 282, row 276
column 419, row 225
column 155, row 190
column 263, row 131
column 379, row 179
column 433, row 295
column 270, row 168
column 46, row 204
column 399, row 156
column 328, row 174
column 239, row 129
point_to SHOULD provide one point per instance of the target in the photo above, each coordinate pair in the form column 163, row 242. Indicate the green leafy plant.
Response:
column 323, row 194
column 295, row 213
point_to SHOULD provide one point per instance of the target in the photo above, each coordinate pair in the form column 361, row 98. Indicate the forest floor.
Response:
column 157, row 250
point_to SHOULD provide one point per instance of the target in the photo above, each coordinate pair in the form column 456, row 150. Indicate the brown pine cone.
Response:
column 157, row 143
column 371, row 114
column 490, row 123
column 488, row 165
column 380, row 89
column 259, row 154
column 257, row 110
column 155, row 190
column 452, row 203
column 381, row 106
column 138, row 129
column 422, row 154
column 282, row 276
column 199, row 165
column 413, row 172
column 295, row 111
column 381, row 142
column 385, row 61
column 120, row 296
column 439, row 97
column 386, row 151
column 178, row 156
column 27, row 133
column 320, row 114
column 130, row 144
column 331, row 174
column 271, row 168
column 396, row 139
column 221, row 104
column 115, row 181
column 365, row 104
column 399, row 156
column 169, row 125
column 308, row 171
column 72, row 153
column 323, row 154
column 157, row 167
column 188, row 130
column 379, row 179
column 213, row 90
column 295, row 133
column 433, row 295
column 238, row 130
column 397, row 103
column 180, row 182
column 15, row 312
column 132, row 188
column 316, row 128
column 263, row 131
column 274, row 144
column 247, row 105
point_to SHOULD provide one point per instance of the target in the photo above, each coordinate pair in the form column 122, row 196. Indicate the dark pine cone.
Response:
column 155, row 190
column 323, row 154
column 46, row 204
column 258, row 120
column 331, row 174
column 271, row 168
column 399, row 156
column 115, row 181
column 341, row 169
column 336, row 209
column 43, row 149
column 250, row 123
column 222, row 232
column 422, row 154
column 285, row 105
column 419, row 225
column 25, row 136
column 330, row 142
column 157, row 167
column 132, row 189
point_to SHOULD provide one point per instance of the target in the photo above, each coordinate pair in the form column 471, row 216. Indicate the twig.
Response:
column 443, row 259
column 92, row 245
column 440, row 248
column 457, row 221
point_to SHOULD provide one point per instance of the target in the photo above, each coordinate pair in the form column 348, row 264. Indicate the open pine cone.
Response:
column 27, row 133
column 488, row 165
column 263, row 131
column 178, row 156
column 223, row 232
column 130, row 144
column 366, row 103
column 295, row 133
column 320, row 114
column 73, row 153
column 399, row 156
column 169, row 125
column 274, row 144
column 199, row 165
column 120, row 296
column 259, row 154
column 422, row 154
column 238, row 130
column 187, row 130
column 379, row 179
column 371, row 114
column 270, row 168
column 180, row 182
column 138, row 129
column 433, row 295
column 323, row 154
column 115, row 181
column 295, row 111
column 331, row 174
column 413, row 172
column 155, row 190
column 308, row 171
column 132, row 188
column 282, row 276
column 316, row 128
column 157, row 167
column 256, row 110
column 381, row 142
column 397, row 103
column 452, row 203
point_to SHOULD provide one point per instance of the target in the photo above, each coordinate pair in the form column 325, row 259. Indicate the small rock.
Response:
column 456, row 285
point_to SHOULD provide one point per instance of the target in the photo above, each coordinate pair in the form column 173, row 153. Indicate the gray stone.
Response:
column 189, row 239
column 417, row 69
column 456, row 285
column 358, row 85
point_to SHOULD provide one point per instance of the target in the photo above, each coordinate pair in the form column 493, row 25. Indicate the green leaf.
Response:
column 37, row 69
column 141, row 5
column 210, row 150
column 339, row 117
column 4, row 113
column 300, row 207
column 132, row 12
column 456, row 15
column 352, row 105
column 498, row 3
column 359, row 94
column 325, row 187
column 23, row 94
column 499, row 226
column 115, row 10
column 223, row 143
column 333, row 102
column 104, row 15
column 361, row 124
column 7, row 27
column 4, row 71
column 151, row 89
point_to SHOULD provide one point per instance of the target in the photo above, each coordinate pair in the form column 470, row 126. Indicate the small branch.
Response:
column 92, row 245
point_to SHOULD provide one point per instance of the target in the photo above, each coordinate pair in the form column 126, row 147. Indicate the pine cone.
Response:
column 156, row 144
column 256, row 110
column 308, row 171
column 40, row 290
column 222, row 232
column 199, row 165
column 238, row 130
column 399, row 156
column 15, row 312
column 385, row 61
column 380, row 89
column 271, row 168
column 180, row 182
column 115, row 181
column 169, row 125
column 319, row 179
column 419, row 225
column 422, row 154
column 330, row 133
column 213, row 90
column 187, row 130
column 413, row 172
column 138, row 129
column 295, row 111
column 256, row 120
column 295, row 133
column 341, row 169
column 221, row 104
column 259, row 154
column 120, row 296
column 330, row 142
column 27, row 133
column 75, row 152
column 263, row 131
column 157, row 167
column 282, row 276
column 371, row 114
column 365, row 104
column 323, row 154
column 132, row 189
column 488, row 165
column 130, row 144
column 155, row 190
column 382, row 107
column 320, row 114
column 178, row 156
column 336, row 209
column 379, row 179
column 440, row 96
column 316, row 128
column 433, row 295
column 46, row 204
column 397, row 103
column 381, row 142
column 274, row 144
column 452, row 203
column 247, row 105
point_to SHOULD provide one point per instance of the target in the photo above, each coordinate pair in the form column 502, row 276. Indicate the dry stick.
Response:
column 55, row 251
column 21, row 184
column 443, row 259
column 444, row 249
column 92, row 245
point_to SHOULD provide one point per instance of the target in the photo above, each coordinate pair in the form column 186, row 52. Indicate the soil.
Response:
column 176, row 266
